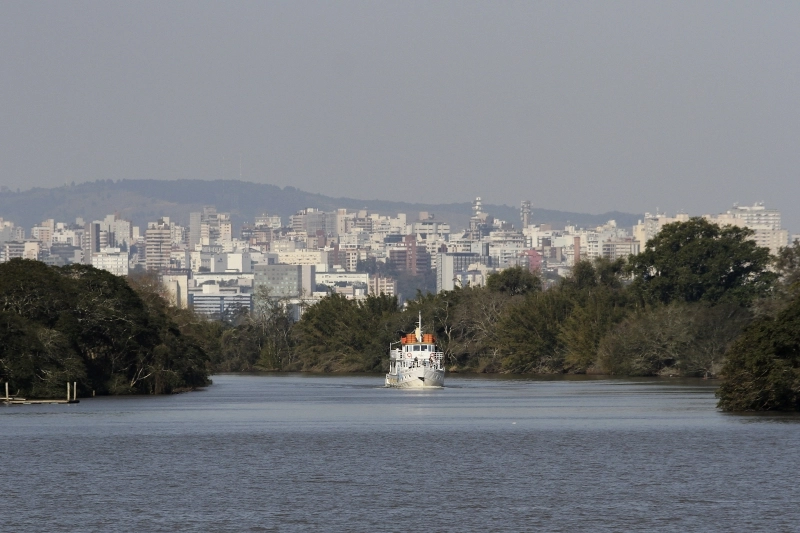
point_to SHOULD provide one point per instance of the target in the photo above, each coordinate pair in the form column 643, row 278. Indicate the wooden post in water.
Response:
column 7, row 398
column 74, row 390
column 67, row 390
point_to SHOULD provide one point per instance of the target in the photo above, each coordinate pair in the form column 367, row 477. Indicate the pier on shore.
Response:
column 72, row 397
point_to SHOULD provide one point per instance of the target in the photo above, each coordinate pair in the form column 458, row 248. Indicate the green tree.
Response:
column 697, row 261
column 272, row 323
column 465, row 324
column 590, row 319
column 528, row 332
column 674, row 339
column 787, row 264
column 341, row 335
column 599, row 301
column 762, row 371
column 78, row 323
column 514, row 281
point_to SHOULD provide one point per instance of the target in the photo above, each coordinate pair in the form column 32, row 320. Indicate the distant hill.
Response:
column 142, row 201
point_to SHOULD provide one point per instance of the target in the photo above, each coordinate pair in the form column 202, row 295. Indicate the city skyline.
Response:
column 218, row 268
column 343, row 196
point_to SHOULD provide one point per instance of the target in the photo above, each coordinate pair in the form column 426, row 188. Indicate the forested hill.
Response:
column 142, row 201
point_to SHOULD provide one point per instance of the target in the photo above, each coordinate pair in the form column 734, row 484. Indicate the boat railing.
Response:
column 433, row 357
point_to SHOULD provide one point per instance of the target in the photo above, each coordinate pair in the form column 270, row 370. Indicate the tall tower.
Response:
column 477, row 207
column 525, row 213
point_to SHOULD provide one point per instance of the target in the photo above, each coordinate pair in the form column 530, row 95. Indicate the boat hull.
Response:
column 416, row 378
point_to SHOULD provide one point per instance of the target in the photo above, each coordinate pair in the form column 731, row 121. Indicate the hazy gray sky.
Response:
column 585, row 106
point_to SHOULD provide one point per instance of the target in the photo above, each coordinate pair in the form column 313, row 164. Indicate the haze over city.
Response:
column 578, row 106
column 399, row 265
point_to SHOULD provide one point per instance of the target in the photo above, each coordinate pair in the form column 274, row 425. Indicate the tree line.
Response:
column 699, row 300
column 80, row 324
column 685, row 306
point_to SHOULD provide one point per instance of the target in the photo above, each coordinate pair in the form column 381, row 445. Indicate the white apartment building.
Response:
column 268, row 221
column 649, row 227
column 112, row 260
column 381, row 285
column 44, row 232
column 118, row 230
column 217, row 301
column 536, row 236
column 65, row 235
column 331, row 279
column 427, row 229
column 158, row 245
column 619, row 248
column 286, row 245
column 474, row 277
column 19, row 250
column 303, row 257
column 765, row 223
column 354, row 240
column 179, row 258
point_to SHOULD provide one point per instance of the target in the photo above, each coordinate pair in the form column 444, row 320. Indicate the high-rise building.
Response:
column 209, row 227
column 91, row 241
column 410, row 257
column 450, row 264
column 765, row 223
column 195, row 220
column 312, row 221
column 285, row 281
column 158, row 245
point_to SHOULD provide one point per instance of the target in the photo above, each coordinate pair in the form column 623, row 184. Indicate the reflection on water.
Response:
column 297, row 453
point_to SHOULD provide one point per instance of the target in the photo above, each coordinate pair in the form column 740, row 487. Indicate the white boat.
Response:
column 417, row 363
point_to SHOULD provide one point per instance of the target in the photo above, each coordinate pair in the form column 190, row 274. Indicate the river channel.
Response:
column 341, row 453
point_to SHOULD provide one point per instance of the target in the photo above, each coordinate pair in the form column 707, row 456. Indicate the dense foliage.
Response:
column 698, row 261
column 677, row 308
column 762, row 372
column 77, row 323
column 674, row 309
column 338, row 334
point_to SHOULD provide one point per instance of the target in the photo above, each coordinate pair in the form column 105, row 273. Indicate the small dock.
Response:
column 72, row 397
column 23, row 401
